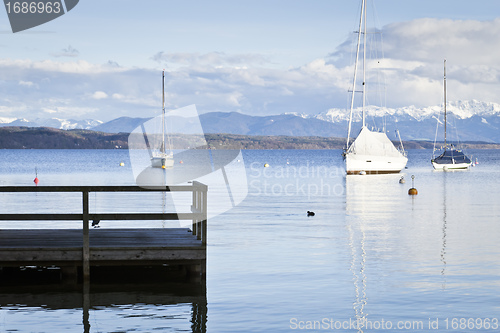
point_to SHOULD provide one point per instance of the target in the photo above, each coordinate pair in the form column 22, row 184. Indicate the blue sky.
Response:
column 103, row 59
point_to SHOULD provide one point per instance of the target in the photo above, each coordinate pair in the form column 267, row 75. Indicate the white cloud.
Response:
column 99, row 95
column 80, row 66
column 49, row 111
column 411, row 72
column 26, row 83
column 466, row 42
column 414, row 52
column 215, row 59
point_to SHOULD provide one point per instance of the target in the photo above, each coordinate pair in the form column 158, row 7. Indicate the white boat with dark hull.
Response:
column 161, row 158
column 450, row 157
column 371, row 152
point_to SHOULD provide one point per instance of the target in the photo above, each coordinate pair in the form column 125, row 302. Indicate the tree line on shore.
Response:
column 51, row 138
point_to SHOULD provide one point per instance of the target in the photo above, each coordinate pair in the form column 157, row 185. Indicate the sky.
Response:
column 104, row 59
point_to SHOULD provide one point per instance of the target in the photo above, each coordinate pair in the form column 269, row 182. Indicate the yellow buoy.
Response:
column 413, row 190
column 266, row 165
column 122, row 164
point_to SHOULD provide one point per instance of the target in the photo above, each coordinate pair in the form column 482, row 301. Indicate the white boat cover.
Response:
column 373, row 143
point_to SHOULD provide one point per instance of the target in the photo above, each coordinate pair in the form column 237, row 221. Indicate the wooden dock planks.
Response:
column 107, row 246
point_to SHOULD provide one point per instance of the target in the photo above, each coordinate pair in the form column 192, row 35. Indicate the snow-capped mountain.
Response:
column 51, row 122
column 5, row 120
column 460, row 109
column 467, row 120
column 471, row 120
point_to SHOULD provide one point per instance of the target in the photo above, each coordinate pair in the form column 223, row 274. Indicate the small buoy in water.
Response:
column 122, row 164
column 266, row 165
column 36, row 177
column 413, row 190
column 402, row 180
column 181, row 162
column 310, row 213
column 163, row 166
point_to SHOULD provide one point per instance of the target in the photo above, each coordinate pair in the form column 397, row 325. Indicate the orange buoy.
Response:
column 413, row 190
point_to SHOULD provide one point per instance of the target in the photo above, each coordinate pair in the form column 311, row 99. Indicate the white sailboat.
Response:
column 450, row 158
column 371, row 152
column 161, row 158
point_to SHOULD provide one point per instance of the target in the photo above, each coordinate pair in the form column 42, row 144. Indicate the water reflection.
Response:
column 105, row 308
column 443, row 250
column 358, row 266
column 370, row 204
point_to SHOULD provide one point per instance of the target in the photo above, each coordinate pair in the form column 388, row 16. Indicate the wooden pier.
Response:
column 75, row 250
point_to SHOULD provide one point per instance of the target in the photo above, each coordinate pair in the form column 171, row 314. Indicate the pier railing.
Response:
column 198, row 214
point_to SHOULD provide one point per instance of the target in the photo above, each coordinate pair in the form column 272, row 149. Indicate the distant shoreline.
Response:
column 51, row 138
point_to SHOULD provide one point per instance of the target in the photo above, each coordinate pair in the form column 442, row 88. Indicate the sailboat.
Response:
column 451, row 158
column 160, row 158
column 371, row 152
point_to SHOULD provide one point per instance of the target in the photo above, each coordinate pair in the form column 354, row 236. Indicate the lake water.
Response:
column 372, row 258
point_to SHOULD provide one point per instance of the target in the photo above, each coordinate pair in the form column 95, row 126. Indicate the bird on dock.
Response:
column 310, row 213
column 95, row 223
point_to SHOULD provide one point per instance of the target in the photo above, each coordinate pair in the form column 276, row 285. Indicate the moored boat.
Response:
column 450, row 158
column 371, row 152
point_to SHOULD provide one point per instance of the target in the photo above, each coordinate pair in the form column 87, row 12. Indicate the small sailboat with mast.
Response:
column 160, row 157
column 371, row 152
column 450, row 157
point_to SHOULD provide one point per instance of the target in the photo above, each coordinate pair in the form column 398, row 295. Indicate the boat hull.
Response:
column 456, row 166
column 371, row 164
column 162, row 162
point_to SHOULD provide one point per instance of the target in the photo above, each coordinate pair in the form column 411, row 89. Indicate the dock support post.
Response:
column 204, row 221
column 86, row 306
column 86, row 241
column 194, row 208
column 200, row 209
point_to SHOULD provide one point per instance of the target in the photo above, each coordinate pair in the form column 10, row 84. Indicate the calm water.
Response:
column 371, row 253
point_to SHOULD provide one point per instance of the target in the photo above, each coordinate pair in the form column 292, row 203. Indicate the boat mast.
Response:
column 163, row 113
column 364, row 64
column 363, row 14
column 445, row 104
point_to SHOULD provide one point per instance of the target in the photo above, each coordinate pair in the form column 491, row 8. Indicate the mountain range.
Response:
column 471, row 120
column 50, row 122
